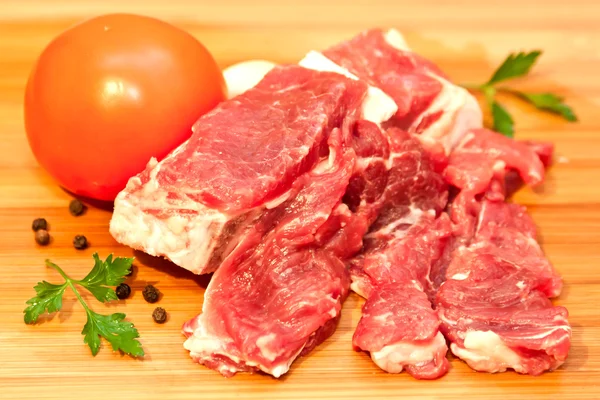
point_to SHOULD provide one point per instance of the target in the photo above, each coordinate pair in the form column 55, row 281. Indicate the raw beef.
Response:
column 352, row 152
column 480, row 164
column 428, row 103
column 270, row 303
column 343, row 234
column 398, row 327
column 494, row 304
column 262, row 311
column 202, row 201
column 544, row 150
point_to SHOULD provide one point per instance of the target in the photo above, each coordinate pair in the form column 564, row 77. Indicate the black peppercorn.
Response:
column 42, row 237
column 80, row 242
column 159, row 315
column 39, row 223
column 130, row 271
column 76, row 208
column 151, row 294
column 123, row 291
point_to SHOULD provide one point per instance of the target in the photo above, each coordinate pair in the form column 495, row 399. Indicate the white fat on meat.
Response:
column 245, row 75
column 486, row 351
column 204, row 346
column 188, row 242
column 394, row 357
column 460, row 110
column 377, row 107
column 359, row 287
column 461, row 276
column 411, row 218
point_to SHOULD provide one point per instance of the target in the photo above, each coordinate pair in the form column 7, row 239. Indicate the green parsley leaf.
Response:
column 517, row 65
column 122, row 335
column 514, row 66
column 503, row 122
column 550, row 102
column 102, row 293
column 48, row 299
column 107, row 273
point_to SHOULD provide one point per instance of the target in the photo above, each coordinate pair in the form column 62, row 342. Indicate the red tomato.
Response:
column 110, row 93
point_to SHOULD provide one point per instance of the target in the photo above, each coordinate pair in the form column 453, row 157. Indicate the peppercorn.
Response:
column 130, row 271
column 123, row 291
column 151, row 294
column 80, row 242
column 159, row 315
column 76, row 208
column 42, row 237
column 39, row 223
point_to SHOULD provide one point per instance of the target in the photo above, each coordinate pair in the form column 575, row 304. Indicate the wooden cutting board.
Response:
column 466, row 38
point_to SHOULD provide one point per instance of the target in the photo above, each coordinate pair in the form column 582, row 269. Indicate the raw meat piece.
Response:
column 494, row 304
column 479, row 165
column 428, row 103
column 199, row 203
column 262, row 311
column 413, row 183
column 343, row 234
column 399, row 328
column 401, row 331
column 544, row 150
column 377, row 107
column 483, row 155
column 299, row 255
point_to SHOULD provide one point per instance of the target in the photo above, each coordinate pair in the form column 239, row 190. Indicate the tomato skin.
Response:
column 110, row 93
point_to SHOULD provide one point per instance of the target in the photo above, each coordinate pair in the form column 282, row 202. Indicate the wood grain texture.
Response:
column 465, row 37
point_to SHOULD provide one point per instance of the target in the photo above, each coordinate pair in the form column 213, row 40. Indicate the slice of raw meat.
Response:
column 398, row 327
column 263, row 310
column 494, row 305
column 197, row 205
column 479, row 165
column 544, row 150
column 428, row 103
column 484, row 155
column 343, row 233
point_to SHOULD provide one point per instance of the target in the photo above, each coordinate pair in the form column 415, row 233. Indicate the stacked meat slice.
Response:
column 274, row 163
column 428, row 103
column 494, row 305
column 262, row 311
column 399, row 326
column 334, row 175
column 201, row 202
column 491, row 326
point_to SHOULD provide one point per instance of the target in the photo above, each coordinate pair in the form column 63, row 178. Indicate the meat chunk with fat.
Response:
column 494, row 305
column 398, row 326
column 264, row 308
column 479, row 166
column 199, row 203
column 428, row 103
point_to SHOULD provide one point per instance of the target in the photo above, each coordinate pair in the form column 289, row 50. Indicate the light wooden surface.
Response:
column 466, row 38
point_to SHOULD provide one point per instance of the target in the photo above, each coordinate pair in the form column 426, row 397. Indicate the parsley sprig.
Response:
column 518, row 65
column 122, row 335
